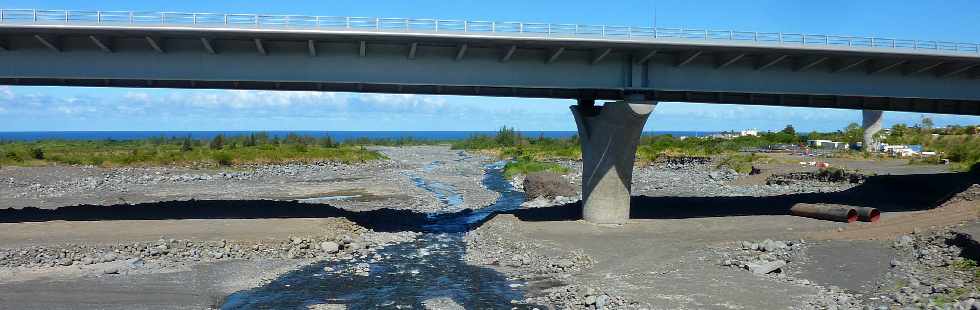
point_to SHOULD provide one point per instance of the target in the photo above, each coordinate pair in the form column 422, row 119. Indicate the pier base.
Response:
column 609, row 135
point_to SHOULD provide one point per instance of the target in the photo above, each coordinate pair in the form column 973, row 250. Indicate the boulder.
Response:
column 329, row 247
column 765, row 267
column 548, row 185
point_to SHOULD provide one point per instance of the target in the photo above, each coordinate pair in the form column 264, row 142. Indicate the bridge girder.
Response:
column 665, row 71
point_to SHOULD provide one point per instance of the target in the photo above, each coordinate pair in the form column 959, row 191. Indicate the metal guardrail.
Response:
column 543, row 30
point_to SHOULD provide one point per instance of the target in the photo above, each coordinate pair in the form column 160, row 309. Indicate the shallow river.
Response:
column 406, row 274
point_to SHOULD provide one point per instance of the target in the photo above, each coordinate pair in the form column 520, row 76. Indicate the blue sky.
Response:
column 63, row 108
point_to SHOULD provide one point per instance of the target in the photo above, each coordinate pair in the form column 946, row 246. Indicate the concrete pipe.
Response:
column 830, row 213
column 867, row 214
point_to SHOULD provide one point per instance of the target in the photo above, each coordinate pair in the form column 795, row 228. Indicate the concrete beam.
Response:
column 208, row 46
column 260, row 47
column 555, row 54
column 48, row 41
column 924, row 68
column 461, row 52
column 646, row 57
column 722, row 62
column 872, row 125
column 509, row 53
column 763, row 63
column 311, row 47
column 874, row 68
column 958, row 70
column 804, row 65
column 609, row 135
column 412, row 50
column 842, row 66
column 600, row 55
column 155, row 44
column 683, row 59
column 4, row 45
column 363, row 49
column 101, row 44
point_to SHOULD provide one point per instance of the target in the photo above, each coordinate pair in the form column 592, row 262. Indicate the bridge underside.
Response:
column 943, row 106
column 414, row 63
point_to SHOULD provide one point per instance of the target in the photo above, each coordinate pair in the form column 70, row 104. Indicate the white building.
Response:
column 826, row 144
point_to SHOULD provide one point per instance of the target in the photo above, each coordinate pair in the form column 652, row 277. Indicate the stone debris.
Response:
column 931, row 272
column 547, row 185
column 764, row 257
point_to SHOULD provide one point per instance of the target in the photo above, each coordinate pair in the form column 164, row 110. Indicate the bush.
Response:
column 223, row 159
column 187, row 146
column 11, row 155
column 218, row 142
column 37, row 153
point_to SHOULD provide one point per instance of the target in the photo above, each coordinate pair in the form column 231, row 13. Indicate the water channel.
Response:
column 406, row 274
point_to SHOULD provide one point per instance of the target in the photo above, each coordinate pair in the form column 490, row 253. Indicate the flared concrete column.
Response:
column 872, row 125
column 609, row 135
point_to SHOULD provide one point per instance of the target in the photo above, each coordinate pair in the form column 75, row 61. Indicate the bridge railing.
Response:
column 545, row 30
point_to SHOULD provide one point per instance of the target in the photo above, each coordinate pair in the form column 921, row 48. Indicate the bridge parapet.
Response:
column 482, row 28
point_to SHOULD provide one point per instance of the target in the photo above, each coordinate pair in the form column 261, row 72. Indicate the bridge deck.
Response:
column 429, row 56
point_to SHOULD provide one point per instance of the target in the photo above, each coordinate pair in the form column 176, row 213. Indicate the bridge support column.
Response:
column 609, row 135
column 872, row 125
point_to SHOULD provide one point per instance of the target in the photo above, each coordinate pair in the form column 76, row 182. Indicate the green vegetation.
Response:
column 526, row 165
column 959, row 144
column 964, row 264
column 508, row 143
column 528, row 154
column 740, row 162
column 952, row 296
column 221, row 151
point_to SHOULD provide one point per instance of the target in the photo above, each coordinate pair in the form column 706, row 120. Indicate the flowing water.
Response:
column 406, row 274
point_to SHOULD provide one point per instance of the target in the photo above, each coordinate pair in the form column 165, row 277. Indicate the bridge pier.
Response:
column 872, row 125
column 609, row 135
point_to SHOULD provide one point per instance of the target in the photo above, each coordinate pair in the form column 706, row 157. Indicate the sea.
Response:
column 339, row 136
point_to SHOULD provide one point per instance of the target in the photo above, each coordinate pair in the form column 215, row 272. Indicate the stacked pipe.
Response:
column 836, row 213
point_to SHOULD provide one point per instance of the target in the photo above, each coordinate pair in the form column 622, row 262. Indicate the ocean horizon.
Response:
column 336, row 135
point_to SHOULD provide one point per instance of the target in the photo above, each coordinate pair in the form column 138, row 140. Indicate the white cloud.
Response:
column 211, row 109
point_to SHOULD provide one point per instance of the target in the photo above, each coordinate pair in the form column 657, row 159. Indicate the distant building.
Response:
column 826, row 144
column 749, row 132
column 901, row 150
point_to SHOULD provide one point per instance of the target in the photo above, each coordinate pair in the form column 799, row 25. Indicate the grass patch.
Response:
column 964, row 264
column 527, row 165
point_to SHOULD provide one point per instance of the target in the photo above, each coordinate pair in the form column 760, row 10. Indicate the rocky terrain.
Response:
column 702, row 236
column 568, row 264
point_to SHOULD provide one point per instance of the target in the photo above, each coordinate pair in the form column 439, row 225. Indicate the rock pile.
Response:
column 824, row 175
column 581, row 297
column 764, row 257
column 682, row 161
column 931, row 272
column 703, row 179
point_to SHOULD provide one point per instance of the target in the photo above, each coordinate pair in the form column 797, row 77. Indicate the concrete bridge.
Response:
column 634, row 67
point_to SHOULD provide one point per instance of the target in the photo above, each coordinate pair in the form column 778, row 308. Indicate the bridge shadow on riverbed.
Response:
column 887, row 193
